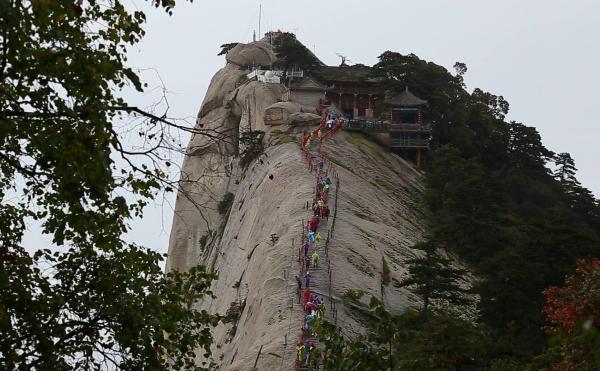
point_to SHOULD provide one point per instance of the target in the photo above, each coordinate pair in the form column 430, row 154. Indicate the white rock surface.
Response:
column 291, row 113
column 378, row 218
column 303, row 118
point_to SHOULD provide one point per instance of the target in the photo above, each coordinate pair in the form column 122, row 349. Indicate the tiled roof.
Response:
column 405, row 99
column 331, row 74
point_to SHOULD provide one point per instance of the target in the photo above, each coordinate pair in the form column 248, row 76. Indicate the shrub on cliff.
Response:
column 252, row 147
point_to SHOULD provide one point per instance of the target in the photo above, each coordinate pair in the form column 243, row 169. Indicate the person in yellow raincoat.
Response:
column 321, row 309
column 307, row 144
column 301, row 349
column 315, row 259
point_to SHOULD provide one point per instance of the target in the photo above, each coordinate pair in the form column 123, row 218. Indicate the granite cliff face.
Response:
column 378, row 218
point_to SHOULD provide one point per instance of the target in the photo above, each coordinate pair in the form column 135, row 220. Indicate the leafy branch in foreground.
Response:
column 67, row 158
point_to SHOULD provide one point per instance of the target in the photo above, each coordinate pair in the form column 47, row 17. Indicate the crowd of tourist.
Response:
column 308, row 353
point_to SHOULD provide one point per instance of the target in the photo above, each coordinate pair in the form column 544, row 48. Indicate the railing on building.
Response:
column 366, row 125
column 269, row 79
column 272, row 76
column 399, row 126
column 253, row 74
column 285, row 97
column 409, row 143
column 295, row 74
column 384, row 126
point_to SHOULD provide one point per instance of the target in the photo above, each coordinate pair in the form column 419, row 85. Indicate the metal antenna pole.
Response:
column 259, row 19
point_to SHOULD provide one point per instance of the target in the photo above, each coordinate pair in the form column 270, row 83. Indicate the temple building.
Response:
column 396, row 121
column 352, row 89
column 404, row 131
column 408, row 133
column 308, row 91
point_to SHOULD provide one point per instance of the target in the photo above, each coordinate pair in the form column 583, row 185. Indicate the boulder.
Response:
column 279, row 113
column 251, row 102
column 303, row 118
column 221, row 85
column 258, row 53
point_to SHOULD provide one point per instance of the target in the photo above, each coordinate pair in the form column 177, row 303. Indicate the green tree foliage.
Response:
column 442, row 342
column 291, row 53
column 497, row 104
column 460, row 68
column 464, row 202
column 225, row 48
column 99, row 302
column 432, row 278
column 494, row 200
column 565, row 170
column 579, row 199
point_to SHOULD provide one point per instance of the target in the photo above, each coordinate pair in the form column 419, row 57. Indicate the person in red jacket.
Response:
column 313, row 223
column 307, row 295
column 336, row 127
column 325, row 212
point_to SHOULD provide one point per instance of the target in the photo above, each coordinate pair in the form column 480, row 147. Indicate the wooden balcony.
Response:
column 403, row 127
column 385, row 126
column 367, row 125
column 409, row 143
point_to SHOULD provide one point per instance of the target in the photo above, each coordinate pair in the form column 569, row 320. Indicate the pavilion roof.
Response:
column 405, row 99
column 309, row 83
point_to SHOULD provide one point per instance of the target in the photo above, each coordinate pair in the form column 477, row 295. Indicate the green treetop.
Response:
column 432, row 277
column 292, row 54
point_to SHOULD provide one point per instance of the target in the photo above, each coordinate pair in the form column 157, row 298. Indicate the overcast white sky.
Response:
column 543, row 56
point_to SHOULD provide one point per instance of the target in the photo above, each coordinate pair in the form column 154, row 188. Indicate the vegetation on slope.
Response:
column 253, row 147
column 495, row 201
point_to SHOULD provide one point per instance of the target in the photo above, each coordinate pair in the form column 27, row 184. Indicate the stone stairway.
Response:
column 320, row 283
column 320, row 276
